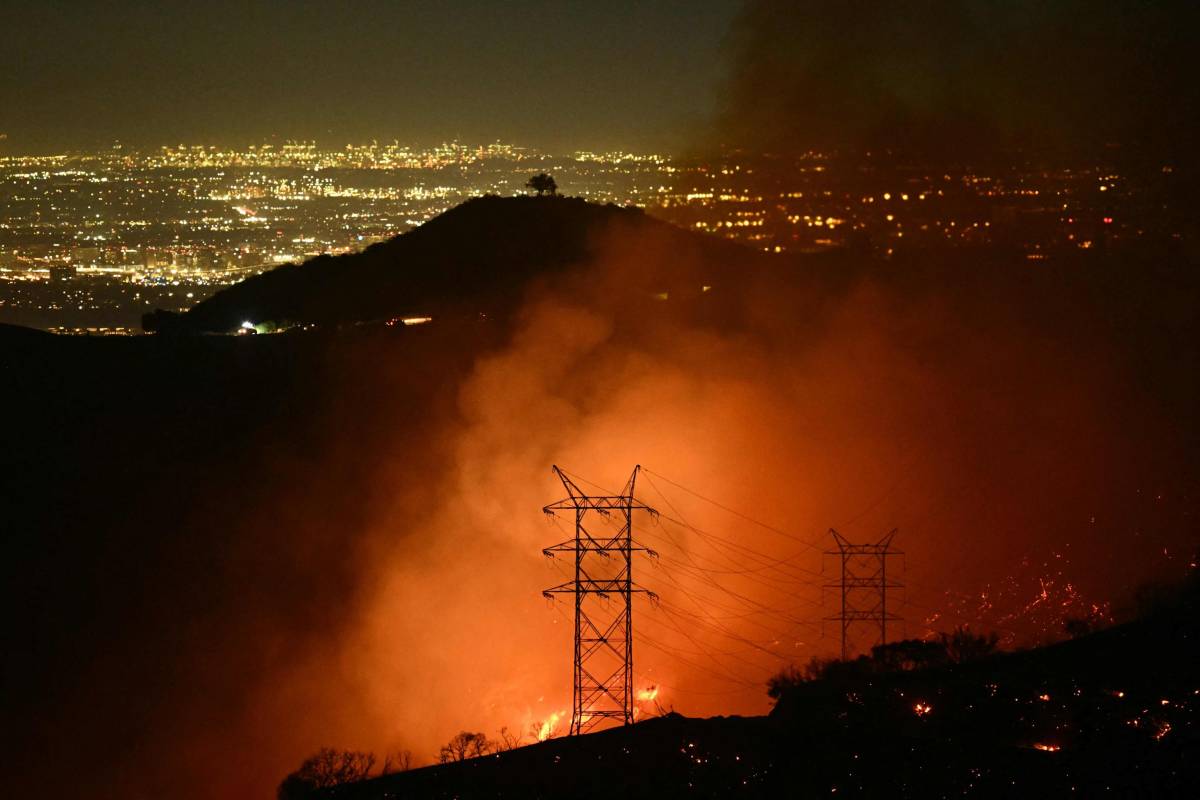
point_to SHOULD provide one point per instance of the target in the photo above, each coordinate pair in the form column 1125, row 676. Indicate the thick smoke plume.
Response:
column 961, row 78
column 1000, row 446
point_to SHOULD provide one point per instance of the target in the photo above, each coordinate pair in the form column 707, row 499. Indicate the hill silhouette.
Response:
column 15, row 335
column 476, row 258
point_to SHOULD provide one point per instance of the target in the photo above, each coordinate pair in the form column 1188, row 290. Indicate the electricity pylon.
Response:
column 603, row 559
column 864, row 584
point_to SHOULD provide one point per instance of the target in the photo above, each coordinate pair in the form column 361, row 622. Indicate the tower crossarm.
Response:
column 601, row 503
column 583, row 546
column 616, row 586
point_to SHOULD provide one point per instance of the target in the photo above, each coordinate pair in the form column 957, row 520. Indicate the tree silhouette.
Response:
column 963, row 646
column 908, row 654
column 399, row 761
column 507, row 741
column 327, row 767
column 464, row 745
column 543, row 184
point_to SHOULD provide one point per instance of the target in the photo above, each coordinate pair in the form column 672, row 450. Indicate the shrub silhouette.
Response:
column 907, row 655
column 963, row 646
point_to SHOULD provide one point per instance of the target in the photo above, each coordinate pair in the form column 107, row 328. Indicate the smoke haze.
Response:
column 958, row 79
column 339, row 543
column 1007, row 451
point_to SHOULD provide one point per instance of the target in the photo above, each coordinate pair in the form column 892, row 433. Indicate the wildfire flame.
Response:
column 1049, row 748
column 648, row 694
column 546, row 730
column 921, row 709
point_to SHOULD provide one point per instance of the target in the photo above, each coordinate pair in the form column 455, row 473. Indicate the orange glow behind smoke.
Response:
column 881, row 411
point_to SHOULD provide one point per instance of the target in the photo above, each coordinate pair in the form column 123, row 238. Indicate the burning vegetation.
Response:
column 1044, row 721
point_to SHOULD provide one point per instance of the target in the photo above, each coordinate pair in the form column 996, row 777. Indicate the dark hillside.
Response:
column 170, row 500
column 476, row 258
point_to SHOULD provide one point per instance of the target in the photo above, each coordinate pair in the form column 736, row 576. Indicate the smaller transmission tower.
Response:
column 602, row 551
column 864, row 585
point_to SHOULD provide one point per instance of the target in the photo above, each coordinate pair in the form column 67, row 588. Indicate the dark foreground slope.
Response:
column 477, row 258
column 1114, row 714
column 183, row 517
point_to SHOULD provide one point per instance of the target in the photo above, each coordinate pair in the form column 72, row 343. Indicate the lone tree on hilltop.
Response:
column 543, row 184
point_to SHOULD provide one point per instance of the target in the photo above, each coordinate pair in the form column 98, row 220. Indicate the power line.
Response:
column 737, row 513
column 936, row 508
column 730, row 560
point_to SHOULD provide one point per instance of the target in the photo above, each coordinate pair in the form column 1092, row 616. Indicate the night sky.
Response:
column 679, row 75
column 560, row 75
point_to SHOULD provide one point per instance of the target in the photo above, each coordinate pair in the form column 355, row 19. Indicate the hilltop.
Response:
column 475, row 259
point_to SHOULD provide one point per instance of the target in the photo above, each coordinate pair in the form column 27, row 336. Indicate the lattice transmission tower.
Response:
column 864, row 586
column 602, row 551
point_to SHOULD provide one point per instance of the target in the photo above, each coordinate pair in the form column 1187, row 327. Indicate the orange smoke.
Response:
column 957, row 409
column 859, row 411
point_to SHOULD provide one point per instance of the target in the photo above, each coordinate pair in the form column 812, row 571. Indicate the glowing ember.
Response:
column 1038, row 597
column 391, row 323
column 921, row 709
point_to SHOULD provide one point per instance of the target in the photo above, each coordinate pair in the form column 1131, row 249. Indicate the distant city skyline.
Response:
column 558, row 76
column 92, row 240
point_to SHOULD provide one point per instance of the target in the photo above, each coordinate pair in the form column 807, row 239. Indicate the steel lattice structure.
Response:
column 864, row 585
column 603, row 562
